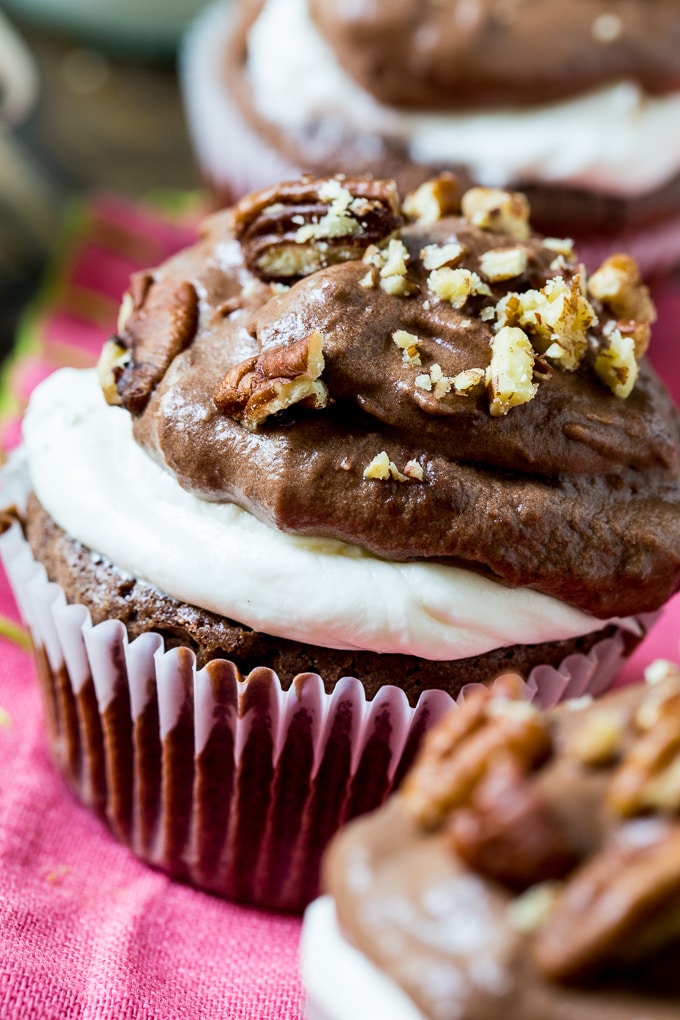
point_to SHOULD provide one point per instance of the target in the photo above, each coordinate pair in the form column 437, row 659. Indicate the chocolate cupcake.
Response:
column 528, row 868
column 576, row 105
column 344, row 457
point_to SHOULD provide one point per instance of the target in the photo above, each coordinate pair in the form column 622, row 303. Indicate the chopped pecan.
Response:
column 434, row 199
column 510, row 375
column 457, row 753
column 112, row 360
column 618, row 286
column 292, row 229
column 503, row 263
column 620, row 906
column 509, row 833
column 616, row 364
column 497, row 210
column 260, row 387
column 391, row 265
column 599, row 738
column 648, row 778
column 155, row 326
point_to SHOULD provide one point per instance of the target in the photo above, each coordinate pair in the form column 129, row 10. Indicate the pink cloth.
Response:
column 86, row 931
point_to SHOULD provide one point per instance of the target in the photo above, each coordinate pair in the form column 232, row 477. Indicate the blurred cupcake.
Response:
column 578, row 107
column 529, row 868
column 345, row 456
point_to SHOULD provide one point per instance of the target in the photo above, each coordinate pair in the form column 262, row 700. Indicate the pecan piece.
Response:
column 292, row 229
column 434, row 199
column 620, row 906
column 157, row 322
column 509, row 832
column 618, row 286
column 456, row 754
column 260, row 387
column 648, row 778
column 497, row 210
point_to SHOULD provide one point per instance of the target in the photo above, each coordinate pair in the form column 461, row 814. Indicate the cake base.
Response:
column 109, row 593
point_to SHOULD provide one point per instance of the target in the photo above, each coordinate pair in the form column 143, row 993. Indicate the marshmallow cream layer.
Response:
column 617, row 139
column 339, row 980
column 103, row 489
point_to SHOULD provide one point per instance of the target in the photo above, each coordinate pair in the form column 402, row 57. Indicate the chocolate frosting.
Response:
column 459, row 54
column 575, row 493
column 448, row 936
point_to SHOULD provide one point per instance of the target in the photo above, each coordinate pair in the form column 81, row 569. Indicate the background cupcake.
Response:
column 585, row 125
column 528, row 868
column 361, row 453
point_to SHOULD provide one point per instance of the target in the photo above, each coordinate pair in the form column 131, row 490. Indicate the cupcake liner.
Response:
column 233, row 784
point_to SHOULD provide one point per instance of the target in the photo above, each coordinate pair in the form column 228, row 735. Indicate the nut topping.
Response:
column 293, row 229
column 497, row 210
column 433, row 199
column 648, row 778
column 509, row 377
column 458, row 752
column 158, row 323
column 617, row 285
column 408, row 343
column 616, row 364
column 557, row 318
column 456, row 285
column 381, row 468
column 503, row 263
column 260, row 387
column 434, row 256
column 112, row 360
column 598, row 741
column 509, row 833
column 618, row 907
column 391, row 264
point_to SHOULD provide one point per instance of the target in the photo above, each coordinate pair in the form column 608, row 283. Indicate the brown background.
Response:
column 103, row 119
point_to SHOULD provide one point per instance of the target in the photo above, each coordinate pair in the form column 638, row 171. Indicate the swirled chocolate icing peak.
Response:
column 453, row 389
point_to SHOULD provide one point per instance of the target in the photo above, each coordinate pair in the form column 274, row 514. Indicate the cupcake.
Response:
column 529, row 867
column 344, row 456
column 577, row 107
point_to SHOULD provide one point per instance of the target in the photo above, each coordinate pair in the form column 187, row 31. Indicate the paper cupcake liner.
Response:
column 233, row 784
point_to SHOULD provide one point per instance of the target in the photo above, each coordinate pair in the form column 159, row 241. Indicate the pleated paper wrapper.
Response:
column 232, row 784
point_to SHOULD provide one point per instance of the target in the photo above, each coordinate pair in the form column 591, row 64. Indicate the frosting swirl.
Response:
column 417, row 447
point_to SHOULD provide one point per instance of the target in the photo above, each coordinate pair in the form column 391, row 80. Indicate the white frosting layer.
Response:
column 341, row 983
column 616, row 140
column 103, row 489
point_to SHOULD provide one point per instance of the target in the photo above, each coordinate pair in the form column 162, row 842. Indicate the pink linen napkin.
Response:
column 86, row 931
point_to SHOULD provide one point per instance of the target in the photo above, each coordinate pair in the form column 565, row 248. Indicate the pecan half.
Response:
column 620, row 906
column 292, row 229
column 509, row 832
column 458, row 752
column 260, row 387
column 648, row 778
column 158, row 321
